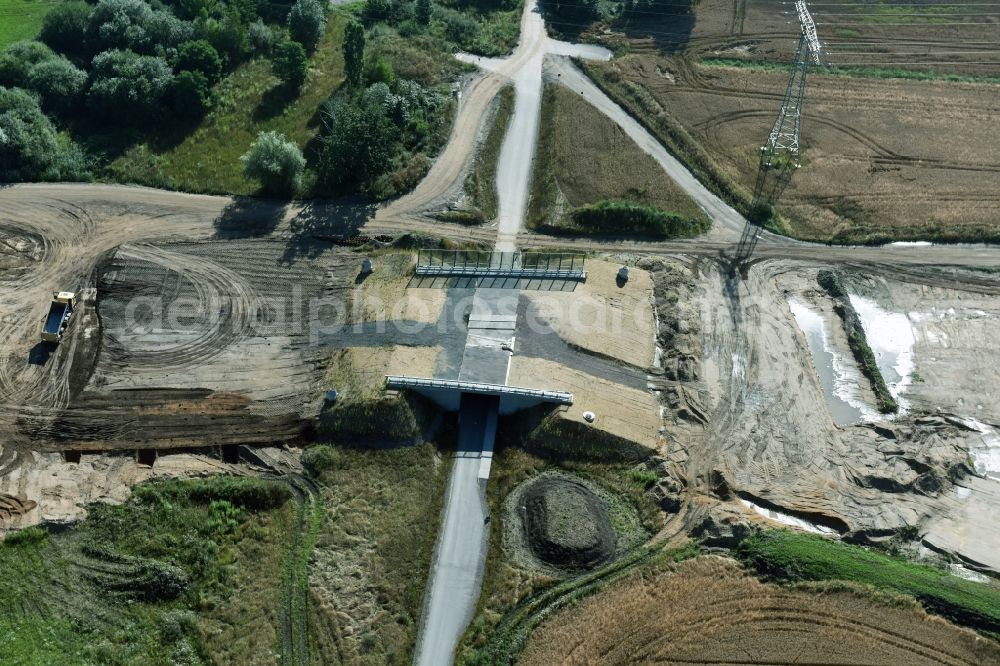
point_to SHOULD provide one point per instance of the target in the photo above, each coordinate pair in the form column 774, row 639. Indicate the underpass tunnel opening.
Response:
column 146, row 457
column 477, row 422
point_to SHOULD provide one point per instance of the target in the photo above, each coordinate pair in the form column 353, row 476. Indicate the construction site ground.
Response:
column 207, row 322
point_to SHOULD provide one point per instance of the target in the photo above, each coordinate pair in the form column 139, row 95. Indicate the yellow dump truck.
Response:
column 60, row 313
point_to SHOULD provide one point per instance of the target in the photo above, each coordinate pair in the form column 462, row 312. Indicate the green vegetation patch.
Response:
column 481, row 182
column 249, row 100
column 484, row 27
column 591, row 178
column 373, row 549
column 794, row 556
column 183, row 573
column 856, row 72
column 621, row 217
column 22, row 19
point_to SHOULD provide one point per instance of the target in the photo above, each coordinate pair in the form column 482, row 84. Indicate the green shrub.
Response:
column 190, row 94
column 260, row 38
column 320, row 458
column 26, row 537
column 458, row 27
column 377, row 10
column 134, row 25
column 18, row 59
column 643, row 477
column 247, row 493
column 200, row 56
column 306, row 23
column 58, row 83
column 359, row 141
column 127, row 87
column 64, row 27
column 243, row 492
column 422, row 12
column 225, row 517
column 276, row 162
column 614, row 217
column 290, row 64
column 354, row 53
column 29, row 147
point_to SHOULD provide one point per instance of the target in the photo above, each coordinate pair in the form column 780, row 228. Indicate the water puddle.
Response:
column 839, row 378
column 985, row 454
column 891, row 338
column 789, row 520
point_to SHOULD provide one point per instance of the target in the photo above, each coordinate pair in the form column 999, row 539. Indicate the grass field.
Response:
column 22, row 19
column 583, row 158
column 208, row 160
column 373, row 550
column 795, row 556
column 184, row 572
column 708, row 610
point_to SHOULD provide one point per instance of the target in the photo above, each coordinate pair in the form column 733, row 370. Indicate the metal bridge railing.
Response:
column 481, row 263
column 400, row 381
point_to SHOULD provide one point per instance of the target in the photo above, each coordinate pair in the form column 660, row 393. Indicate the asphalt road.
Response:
column 457, row 570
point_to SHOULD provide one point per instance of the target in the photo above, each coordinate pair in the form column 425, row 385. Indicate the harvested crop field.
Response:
column 896, row 139
column 709, row 610
column 882, row 158
column 583, row 158
column 915, row 35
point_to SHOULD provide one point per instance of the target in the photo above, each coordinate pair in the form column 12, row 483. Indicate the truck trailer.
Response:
column 60, row 313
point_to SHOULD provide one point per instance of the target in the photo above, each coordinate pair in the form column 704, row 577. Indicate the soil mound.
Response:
column 567, row 524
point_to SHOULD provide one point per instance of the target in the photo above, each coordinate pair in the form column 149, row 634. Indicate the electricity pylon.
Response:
column 779, row 157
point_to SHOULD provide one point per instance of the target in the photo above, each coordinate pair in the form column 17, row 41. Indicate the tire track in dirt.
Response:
column 883, row 155
column 226, row 302
column 690, row 77
column 780, row 608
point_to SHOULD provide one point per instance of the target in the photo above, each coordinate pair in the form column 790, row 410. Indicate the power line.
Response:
column 664, row 33
column 910, row 25
column 908, row 53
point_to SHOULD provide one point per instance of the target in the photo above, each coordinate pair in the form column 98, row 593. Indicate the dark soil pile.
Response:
column 567, row 525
